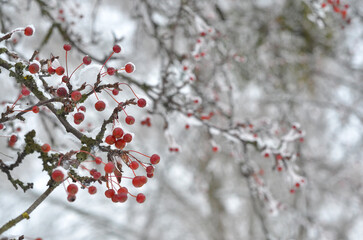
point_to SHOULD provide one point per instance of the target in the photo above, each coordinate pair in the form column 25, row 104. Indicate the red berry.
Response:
column 109, row 167
column 51, row 70
column 28, row 31
column 122, row 197
column 76, row 96
column 25, row 91
column 134, row 165
column 78, row 117
column 127, row 137
column 154, row 159
column 96, row 175
column 130, row 120
column 67, row 47
column 115, row 91
column 120, row 144
column 141, row 102
column 92, row 190
column 129, row 67
column 46, row 147
column 150, row 175
column 110, row 139
column 117, row 132
column 140, row 198
column 98, row 160
column 35, row 109
column 62, row 92
column 82, row 108
column 33, row 68
column 116, row 48
column 111, row 71
column 139, row 181
column 59, row 70
column 100, row 106
column 13, row 138
column 87, row 60
column 109, row 193
column 65, row 79
column 122, row 190
column 150, row 169
column 57, row 175
column 72, row 189
column 1, row 126
column 71, row 198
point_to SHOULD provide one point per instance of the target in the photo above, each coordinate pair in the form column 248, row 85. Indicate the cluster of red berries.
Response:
column 118, row 138
column 115, row 191
column 338, row 8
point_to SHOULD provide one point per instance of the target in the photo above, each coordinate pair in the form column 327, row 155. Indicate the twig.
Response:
column 26, row 213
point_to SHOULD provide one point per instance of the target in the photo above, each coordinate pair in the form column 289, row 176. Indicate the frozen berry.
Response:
column 33, row 68
column 117, row 132
column 116, row 48
column 59, row 70
column 45, row 147
column 130, row 120
column 100, row 106
column 129, row 67
column 78, row 117
column 141, row 102
column 28, row 31
column 76, row 96
column 87, row 60
column 67, row 47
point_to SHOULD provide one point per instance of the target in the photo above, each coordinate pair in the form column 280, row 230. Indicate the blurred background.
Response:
column 270, row 66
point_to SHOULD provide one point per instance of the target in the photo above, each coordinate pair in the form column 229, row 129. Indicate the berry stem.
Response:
column 130, row 89
column 106, row 62
column 74, row 71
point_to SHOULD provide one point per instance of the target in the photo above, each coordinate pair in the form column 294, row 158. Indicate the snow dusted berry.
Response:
column 141, row 102
column 140, row 198
column 34, row 68
column 87, row 60
column 58, row 174
column 129, row 67
column 28, row 31
column 100, row 106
